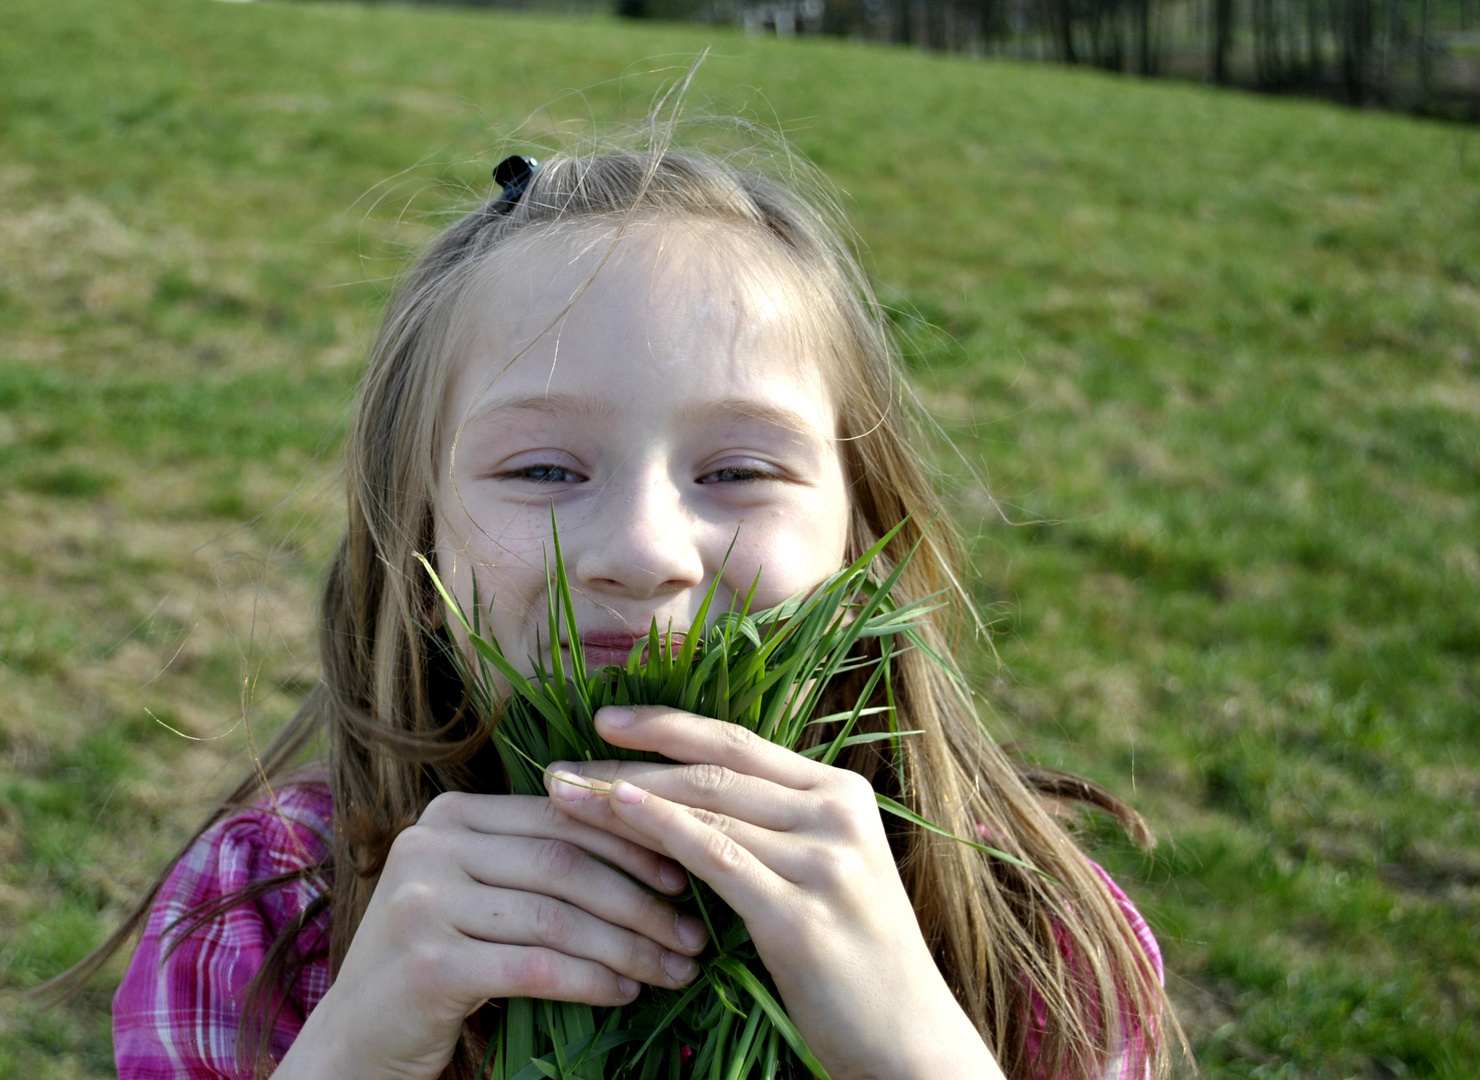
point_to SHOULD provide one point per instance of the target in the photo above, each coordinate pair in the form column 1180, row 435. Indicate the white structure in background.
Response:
column 780, row 17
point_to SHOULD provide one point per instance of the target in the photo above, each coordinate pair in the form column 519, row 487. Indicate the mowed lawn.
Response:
column 1209, row 366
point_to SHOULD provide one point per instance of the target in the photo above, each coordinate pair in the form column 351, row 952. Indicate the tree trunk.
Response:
column 1312, row 40
column 1222, row 39
column 1143, row 37
column 1425, row 59
column 1064, row 17
column 1356, row 49
column 1259, row 28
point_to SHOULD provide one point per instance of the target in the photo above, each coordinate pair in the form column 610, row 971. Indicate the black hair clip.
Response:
column 513, row 173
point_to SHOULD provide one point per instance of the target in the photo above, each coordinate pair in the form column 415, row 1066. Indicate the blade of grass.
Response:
column 543, row 1066
column 740, row 1054
column 863, row 698
column 777, row 1015
column 520, row 1031
column 567, row 604
column 857, row 740
column 901, row 811
column 668, row 1017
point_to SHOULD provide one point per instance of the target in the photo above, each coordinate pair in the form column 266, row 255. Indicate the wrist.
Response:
column 930, row 1038
column 318, row 1053
column 963, row 1054
column 951, row 1049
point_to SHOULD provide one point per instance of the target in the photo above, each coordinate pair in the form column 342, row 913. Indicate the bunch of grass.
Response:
column 768, row 671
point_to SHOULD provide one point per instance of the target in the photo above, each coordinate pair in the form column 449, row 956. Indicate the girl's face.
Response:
column 672, row 410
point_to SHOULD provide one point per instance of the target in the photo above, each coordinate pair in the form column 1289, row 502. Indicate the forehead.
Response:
column 665, row 311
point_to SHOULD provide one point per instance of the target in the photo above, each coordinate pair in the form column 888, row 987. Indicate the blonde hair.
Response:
column 1010, row 943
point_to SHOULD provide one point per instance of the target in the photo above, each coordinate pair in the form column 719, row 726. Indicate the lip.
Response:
column 611, row 648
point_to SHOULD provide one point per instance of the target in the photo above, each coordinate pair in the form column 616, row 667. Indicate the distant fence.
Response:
column 1413, row 55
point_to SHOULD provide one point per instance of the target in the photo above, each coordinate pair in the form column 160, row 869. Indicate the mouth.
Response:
column 612, row 648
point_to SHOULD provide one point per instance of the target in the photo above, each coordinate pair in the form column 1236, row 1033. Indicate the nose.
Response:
column 643, row 542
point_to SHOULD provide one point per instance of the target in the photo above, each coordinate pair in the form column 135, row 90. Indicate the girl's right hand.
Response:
column 492, row 896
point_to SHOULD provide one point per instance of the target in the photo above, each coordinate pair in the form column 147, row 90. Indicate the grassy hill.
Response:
column 1216, row 357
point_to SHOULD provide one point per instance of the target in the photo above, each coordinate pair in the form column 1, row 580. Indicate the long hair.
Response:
column 1020, row 950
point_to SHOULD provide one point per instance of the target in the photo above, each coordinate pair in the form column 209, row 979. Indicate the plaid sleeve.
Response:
column 175, row 1016
column 1133, row 1062
column 1138, row 923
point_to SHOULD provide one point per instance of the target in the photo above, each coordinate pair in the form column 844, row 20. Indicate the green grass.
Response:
column 1217, row 357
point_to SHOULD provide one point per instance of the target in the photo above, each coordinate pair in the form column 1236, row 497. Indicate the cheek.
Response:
column 495, row 536
column 509, row 573
column 791, row 553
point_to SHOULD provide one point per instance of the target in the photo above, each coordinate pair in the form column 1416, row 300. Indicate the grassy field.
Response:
column 1216, row 358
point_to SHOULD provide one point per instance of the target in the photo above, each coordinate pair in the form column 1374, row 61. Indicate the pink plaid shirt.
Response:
column 175, row 1017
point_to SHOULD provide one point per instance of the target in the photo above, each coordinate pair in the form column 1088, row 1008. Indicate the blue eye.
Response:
column 546, row 474
column 735, row 474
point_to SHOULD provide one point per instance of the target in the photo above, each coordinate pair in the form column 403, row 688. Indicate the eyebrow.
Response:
column 577, row 405
column 594, row 409
column 750, row 409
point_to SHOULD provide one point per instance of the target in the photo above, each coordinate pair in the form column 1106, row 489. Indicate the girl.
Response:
column 673, row 354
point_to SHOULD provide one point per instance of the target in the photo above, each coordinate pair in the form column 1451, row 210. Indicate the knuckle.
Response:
column 413, row 903
column 855, row 787
column 643, row 958
column 425, row 968
column 738, row 738
column 409, row 841
column 445, row 807
column 709, row 818
column 554, row 922
column 560, row 858
column 418, row 843
column 722, row 853
column 655, row 915
column 537, row 973
column 836, row 865
column 552, row 817
column 854, row 811
column 857, row 828
column 709, row 779
column 659, row 912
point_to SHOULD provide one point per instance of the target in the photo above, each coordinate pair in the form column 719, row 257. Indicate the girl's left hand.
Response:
column 798, row 849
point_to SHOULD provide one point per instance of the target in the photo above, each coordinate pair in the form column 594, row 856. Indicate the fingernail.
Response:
column 627, row 793
column 691, row 932
column 672, row 877
column 617, row 715
column 680, row 968
column 628, row 986
column 568, row 786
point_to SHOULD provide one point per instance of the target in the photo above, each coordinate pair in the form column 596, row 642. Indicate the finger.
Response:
column 703, row 842
column 707, row 786
column 693, row 739
column 773, row 848
column 480, row 970
column 530, row 815
column 512, row 917
column 563, row 871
